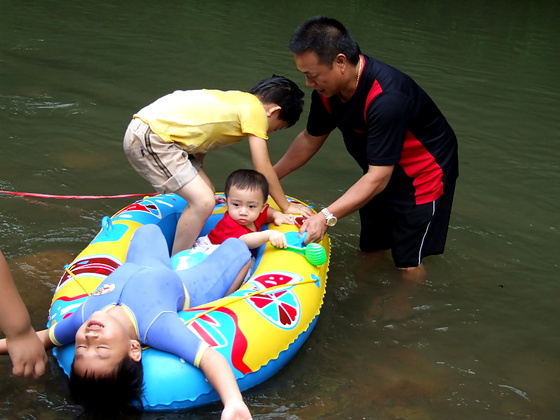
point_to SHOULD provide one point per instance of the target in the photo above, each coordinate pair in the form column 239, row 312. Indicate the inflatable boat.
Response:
column 258, row 328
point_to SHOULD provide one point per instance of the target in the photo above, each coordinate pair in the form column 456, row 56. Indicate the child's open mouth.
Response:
column 95, row 325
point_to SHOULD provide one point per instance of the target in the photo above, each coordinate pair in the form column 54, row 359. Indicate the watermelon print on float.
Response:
column 281, row 306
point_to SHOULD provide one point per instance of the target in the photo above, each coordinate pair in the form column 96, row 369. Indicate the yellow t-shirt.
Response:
column 204, row 120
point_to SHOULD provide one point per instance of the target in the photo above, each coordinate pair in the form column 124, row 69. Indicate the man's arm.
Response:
column 367, row 187
column 302, row 149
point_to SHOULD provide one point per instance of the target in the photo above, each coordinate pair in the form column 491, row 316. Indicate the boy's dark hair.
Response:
column 109, row 395
column 325, row 37
column 247, row 179
column 281, row 91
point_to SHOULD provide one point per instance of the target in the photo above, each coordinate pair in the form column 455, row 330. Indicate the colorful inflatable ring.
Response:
column 258, row 328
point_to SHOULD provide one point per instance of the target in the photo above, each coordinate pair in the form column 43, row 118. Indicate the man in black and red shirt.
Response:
column 394, row 131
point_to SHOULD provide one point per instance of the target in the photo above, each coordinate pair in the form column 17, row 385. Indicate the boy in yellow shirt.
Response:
column 166, row 143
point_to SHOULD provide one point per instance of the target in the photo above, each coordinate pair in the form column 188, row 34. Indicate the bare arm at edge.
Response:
column 21, row 343
column 219, row 374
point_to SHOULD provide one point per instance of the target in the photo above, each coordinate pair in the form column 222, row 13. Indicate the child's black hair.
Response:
column 108, row 396
column 247, row 179
column 281, row 91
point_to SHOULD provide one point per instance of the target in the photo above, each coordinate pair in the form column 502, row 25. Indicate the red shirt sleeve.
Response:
column 229, row 228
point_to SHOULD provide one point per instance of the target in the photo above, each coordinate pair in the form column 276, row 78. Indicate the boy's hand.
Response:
column 219, row 374
column 236, row 411
column 296, row 208
column 27, row 353
column 278, row 239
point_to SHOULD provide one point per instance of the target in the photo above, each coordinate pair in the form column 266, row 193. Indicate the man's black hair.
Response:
column 326, row 38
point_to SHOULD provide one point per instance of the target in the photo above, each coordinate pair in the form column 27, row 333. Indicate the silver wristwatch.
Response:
column 329, row 217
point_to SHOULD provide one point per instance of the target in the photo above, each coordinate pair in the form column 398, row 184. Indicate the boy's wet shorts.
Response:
column 410, row 233
column 164, row 165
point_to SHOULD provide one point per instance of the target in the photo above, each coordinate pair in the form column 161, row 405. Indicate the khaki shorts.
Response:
column 164, row 165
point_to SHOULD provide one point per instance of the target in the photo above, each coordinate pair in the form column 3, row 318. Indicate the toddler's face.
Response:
column 101, row 343
column 244, row 206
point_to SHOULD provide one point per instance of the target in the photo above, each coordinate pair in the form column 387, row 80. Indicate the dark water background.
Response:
column 479, row 340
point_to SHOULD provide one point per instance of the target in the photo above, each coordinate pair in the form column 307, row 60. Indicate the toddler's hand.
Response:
column 282, row 218
column 278, row 239
column 296, row 208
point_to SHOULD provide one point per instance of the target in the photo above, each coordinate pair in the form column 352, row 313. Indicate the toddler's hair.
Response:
column 283, row 92
column 105, row 396
column 247, row 179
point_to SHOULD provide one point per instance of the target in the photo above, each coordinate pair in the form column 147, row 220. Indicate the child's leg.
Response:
column 148, row 247
column 239, row 279
column 201, row 200
column 168, row 168
column 219, row 274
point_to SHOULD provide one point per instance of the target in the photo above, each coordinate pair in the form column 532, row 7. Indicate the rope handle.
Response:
column 239, row 298
column 74, row 197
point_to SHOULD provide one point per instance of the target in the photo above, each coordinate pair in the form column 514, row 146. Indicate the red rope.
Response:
column 77, row 197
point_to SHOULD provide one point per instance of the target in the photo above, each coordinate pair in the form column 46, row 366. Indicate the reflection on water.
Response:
column 476, row 340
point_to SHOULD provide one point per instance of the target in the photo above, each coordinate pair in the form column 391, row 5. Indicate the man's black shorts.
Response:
column 411, row 233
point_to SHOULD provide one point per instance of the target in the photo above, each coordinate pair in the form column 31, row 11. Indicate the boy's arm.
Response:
column 41, row 335
column 262, row 164
column 25, row 348
column 302, row 149
column 219, row 374
column 27, row 352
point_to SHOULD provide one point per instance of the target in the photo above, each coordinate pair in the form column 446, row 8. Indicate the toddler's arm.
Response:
column 21, row 343
column 219, row 374
column 255, row 239
column 280, row 218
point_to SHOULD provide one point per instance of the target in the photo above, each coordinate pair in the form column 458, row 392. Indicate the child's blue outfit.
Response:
column 152, row 293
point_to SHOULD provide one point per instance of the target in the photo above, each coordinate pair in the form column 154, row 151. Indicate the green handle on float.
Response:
column 313, row 252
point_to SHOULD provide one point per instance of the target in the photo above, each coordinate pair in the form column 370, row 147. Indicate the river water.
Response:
column 478, row 340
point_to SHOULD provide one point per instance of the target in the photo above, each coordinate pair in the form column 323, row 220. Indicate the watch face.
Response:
column 330, row 219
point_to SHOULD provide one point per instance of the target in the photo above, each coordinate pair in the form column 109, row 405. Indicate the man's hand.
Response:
column 315, row 226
